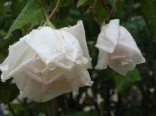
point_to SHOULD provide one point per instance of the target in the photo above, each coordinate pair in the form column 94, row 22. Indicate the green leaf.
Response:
column 8, row 92
column 14, row 92
column 110, row 2
column 2, row 6
column 148, row 8
column 4, row 92
column 63, row 12
column 118, row 11
column 123, row 84
column 83, row 2
column 17, row 6
column 100, row 12
column 64, row 3
column 31, row 14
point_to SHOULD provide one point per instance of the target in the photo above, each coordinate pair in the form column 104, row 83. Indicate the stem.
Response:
column 24, row 106
column 54, row 10
column 44, row 2
column 93, row 6
column 105, row 5
column 48, row 108
column 111, row 11
column 12, row 111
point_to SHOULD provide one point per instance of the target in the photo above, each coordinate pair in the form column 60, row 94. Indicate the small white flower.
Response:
column 47, row 62
column 117, row 49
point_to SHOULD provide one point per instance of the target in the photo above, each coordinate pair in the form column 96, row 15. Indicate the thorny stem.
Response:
column 110, row 12
column 54, row 10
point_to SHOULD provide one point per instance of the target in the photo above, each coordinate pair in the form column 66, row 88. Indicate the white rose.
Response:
column 117, row 49
column 47, row 62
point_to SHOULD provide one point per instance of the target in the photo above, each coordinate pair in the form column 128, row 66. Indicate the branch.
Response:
column 111, row 11
column 54, row 10
column 44, row 3
column 105, row 5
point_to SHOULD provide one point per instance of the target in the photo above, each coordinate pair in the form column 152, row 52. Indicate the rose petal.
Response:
column 20, row 56
column 45, row 43
column 41, row 93
column 70, row 46
column 126, row 39
column 85, row 77
column 102, row 60
column 20, row 80
column 121, row 69
column 79, row 33
column 107, row 39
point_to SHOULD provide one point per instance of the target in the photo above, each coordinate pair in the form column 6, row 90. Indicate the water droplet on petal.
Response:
column 53, row 50
column 45, row 39
column 52, row 68
column 132, row 42
column 40, row 43
column 37, row 57
column 116, row 36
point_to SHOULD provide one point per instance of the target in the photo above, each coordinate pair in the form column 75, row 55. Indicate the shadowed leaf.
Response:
column 31, row 14
column 83, row 2
column 148, row 8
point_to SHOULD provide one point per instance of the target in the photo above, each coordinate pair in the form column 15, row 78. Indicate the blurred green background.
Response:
column 111, row 94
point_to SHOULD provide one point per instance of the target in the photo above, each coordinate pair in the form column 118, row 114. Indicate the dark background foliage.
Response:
column 111, row 93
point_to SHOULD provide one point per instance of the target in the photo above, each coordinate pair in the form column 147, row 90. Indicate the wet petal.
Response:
column 107, row 39
column 19, row 58
column 79, row 33
column 102, row 60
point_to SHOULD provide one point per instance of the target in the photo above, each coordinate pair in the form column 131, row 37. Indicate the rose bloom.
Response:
column 117, row 49
column 48, row 62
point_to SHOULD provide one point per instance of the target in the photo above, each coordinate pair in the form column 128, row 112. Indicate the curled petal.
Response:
column 127, row 40
column 14, row 62
column 79, row 33
column 107, row 39
column 46, row 43
column 102, row 60
column 121, row 69
column 44, row 92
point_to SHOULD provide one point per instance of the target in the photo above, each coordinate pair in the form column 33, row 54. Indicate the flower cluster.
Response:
column 49, row 62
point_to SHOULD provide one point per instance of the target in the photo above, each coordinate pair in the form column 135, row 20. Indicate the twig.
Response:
column 111, row 11
column 54, row 10
column 93, row 6
column 105, row 5
column 44, row 2
column 12, row 111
